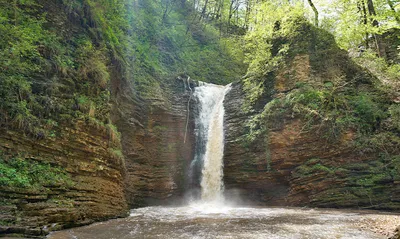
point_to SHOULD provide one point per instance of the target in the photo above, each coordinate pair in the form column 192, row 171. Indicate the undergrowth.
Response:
column 20, row 172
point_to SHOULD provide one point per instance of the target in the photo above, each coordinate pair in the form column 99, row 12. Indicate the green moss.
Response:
column 368, row 184
column 374, row 179
column 117, row 153
column 159, row 130
column 114, row 135
column 6, row 222
column 27, row 173
column 357, row 166
column 65, row 203
column 311, row 167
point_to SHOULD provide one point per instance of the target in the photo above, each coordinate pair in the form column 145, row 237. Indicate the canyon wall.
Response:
column 80, row 143
column 88, row 141
column 158, row 144
column 60, row 155
column 289, row 166
column 94, row 190
column 314, row 136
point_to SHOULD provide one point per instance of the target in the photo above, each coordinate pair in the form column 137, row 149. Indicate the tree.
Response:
column 315, row 12
column 396, row 15
column 364, row 18
column 375, row 24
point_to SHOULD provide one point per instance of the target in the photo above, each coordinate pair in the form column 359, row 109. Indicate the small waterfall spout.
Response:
column 210, row 127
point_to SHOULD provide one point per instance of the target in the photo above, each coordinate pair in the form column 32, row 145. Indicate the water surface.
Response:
column 211, row 221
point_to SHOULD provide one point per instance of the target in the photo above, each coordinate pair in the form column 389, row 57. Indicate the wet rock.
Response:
column 159, row 146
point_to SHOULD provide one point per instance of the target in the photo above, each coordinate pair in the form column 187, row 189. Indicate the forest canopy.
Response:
column 151, row 42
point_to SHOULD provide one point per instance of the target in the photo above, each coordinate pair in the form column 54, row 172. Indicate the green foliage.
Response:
column 333, row 109
column 311, row 167
column 385, row 142
column 388, row 75
column 91, row 65
column 40, row 70
column 25, row 173
column 367, row 111
column 332, row 97
column 20, row 60
column 330, row 107
column 270, row 48
column 151, row 44
column 351, row 27
column 165, row 46
column 114, row 135
column 272, row 20
column 394, row 111
column 117, row 153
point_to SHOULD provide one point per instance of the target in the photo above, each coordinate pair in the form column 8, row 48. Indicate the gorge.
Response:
column 210, row 215
column 199, row 119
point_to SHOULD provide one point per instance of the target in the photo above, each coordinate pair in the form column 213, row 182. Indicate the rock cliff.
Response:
column 84, row 145
column 297, row 158
column 94, row 193
column 60, row 154
column 158, row 144
column 96, row 146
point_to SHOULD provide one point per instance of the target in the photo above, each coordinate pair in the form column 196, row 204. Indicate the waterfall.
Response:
column 210, row 143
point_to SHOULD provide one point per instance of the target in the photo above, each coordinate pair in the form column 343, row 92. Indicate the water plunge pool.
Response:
column 207, row 221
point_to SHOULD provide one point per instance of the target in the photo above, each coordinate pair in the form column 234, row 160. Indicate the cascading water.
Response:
column 210, row 143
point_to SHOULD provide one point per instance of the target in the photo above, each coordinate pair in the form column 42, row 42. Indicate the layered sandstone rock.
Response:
column 158, row 144
column 95, row 193
column 293, row 167
column 292, row 161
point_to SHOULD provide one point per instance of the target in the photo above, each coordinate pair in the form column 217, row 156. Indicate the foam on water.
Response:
column 210, row 221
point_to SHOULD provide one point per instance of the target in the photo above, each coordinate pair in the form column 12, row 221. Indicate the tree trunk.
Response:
column 164, row 17
column 247, row 16
column 15, row 12
column 203, row 12
column 378, row 38
column 230, row 15
column 315, row 12
column 364, row 17
column 219, row 9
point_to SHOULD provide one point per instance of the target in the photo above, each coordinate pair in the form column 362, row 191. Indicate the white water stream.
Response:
column 211, row 123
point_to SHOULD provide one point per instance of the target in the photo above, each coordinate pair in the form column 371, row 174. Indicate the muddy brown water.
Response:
column 204, row 221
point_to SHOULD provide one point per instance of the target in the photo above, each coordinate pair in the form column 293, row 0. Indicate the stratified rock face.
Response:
column 158, row 144
column 292, row 167
column 95, row 193
column 291, row 160
column 246, row 167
